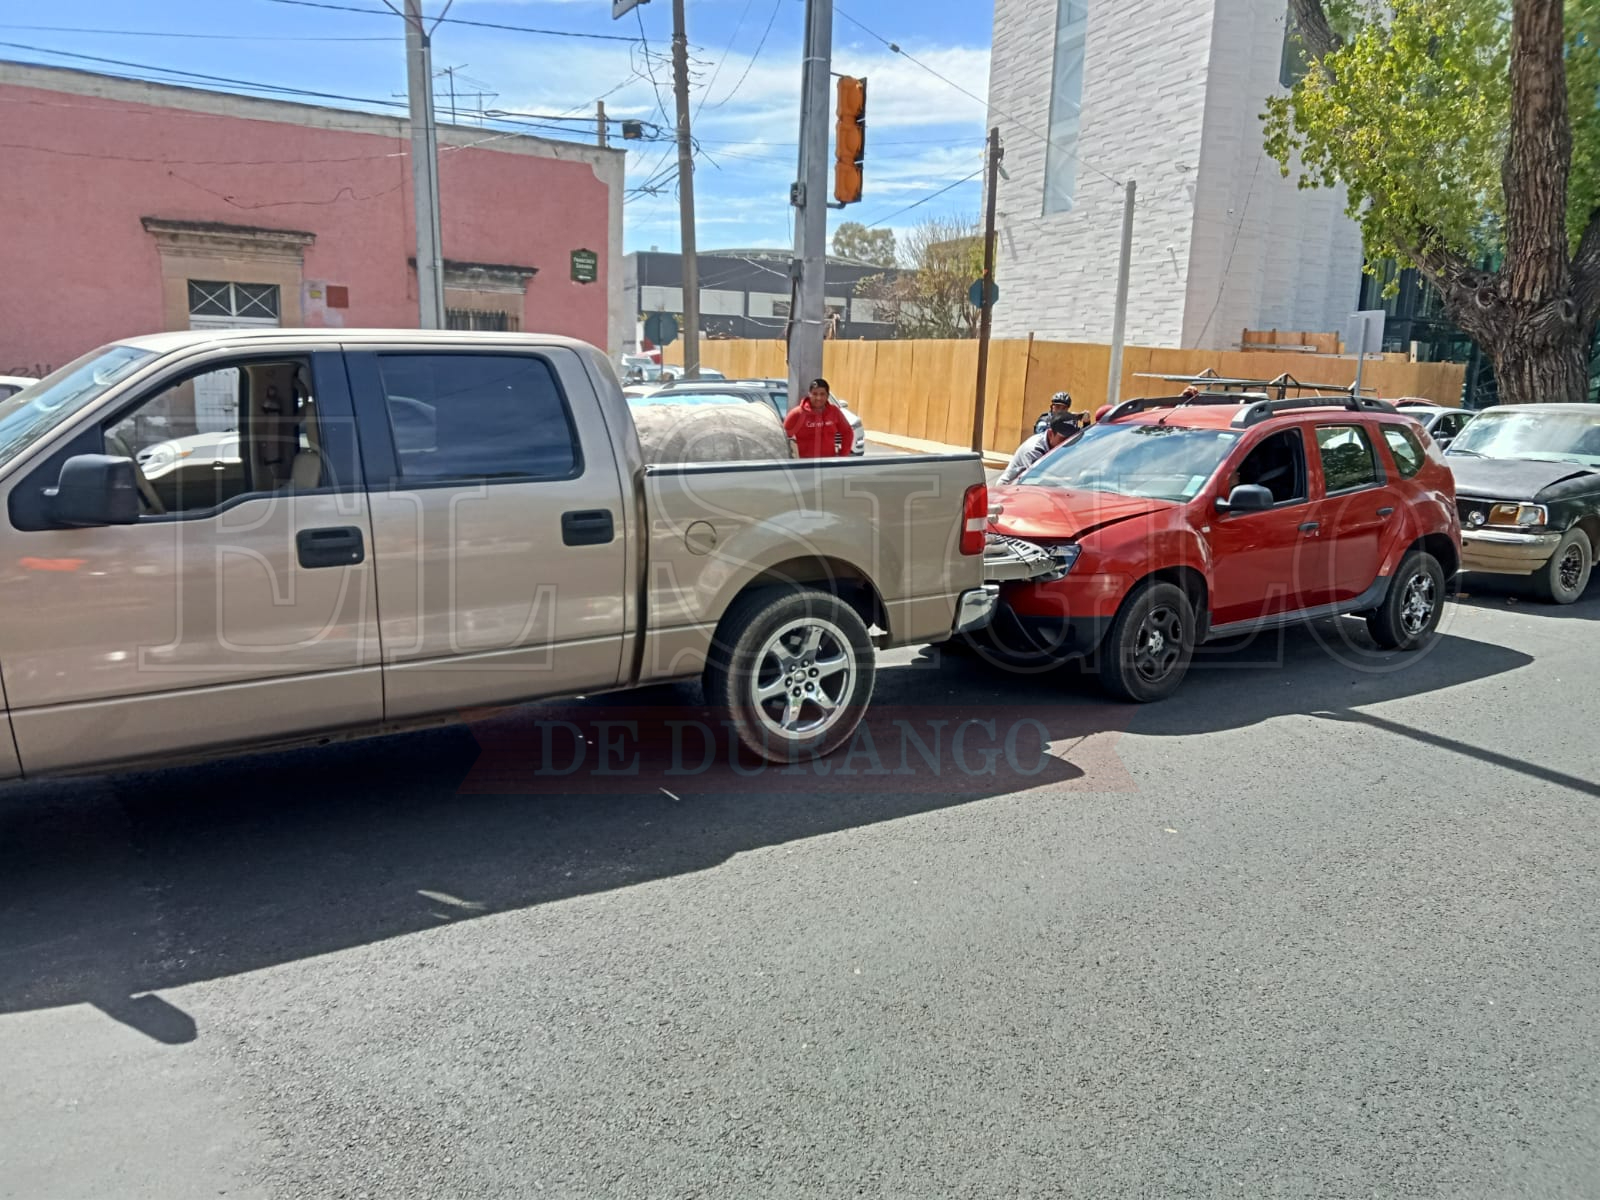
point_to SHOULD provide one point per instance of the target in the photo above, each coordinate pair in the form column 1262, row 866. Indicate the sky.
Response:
column 922, row 133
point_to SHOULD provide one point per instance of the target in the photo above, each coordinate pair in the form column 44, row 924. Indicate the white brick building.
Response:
column 1168, row 93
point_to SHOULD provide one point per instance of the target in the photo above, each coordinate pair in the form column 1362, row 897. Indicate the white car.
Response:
column 10, row 385
column 1442, row 423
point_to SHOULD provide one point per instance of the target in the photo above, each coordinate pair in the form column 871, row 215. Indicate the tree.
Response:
column 1463, row 139
column 927, row 298
column 875, row 246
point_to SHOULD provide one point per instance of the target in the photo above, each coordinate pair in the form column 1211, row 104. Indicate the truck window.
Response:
column 211, row 438
column 477, row 416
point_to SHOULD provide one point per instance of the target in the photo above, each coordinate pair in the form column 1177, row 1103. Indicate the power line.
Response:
column 375, row 12
column 947, row 81
column 738, row 25
column 214, row 37
column 761, row 45
column 1227, row 267
column 932, row 196
column 650, row 71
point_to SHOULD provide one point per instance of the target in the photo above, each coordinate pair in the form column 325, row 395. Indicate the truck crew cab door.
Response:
column 498, row 524
column 239, row 608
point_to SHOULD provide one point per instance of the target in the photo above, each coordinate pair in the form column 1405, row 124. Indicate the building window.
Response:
column 480, row 319
column 1066, row 105
column 1292, row 64
column 256, row 301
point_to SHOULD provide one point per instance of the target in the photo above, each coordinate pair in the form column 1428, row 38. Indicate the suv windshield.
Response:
column 34, row 412
column 1158, row 462
column 1549, row 436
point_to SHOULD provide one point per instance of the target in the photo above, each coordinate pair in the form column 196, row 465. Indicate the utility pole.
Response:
column 1120, row 320
column 600, row 121
column 986, row 315
column 424, row 170
column 809, row 195
column 691, row 264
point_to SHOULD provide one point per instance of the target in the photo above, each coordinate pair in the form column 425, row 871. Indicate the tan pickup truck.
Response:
column 226, row 540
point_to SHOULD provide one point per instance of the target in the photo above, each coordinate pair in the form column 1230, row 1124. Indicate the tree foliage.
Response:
column 876, row 246
column 927, row 298
column 1463, row 131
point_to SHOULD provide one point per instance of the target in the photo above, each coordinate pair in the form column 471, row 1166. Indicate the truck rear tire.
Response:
column 794, row 669
column 1149, row 647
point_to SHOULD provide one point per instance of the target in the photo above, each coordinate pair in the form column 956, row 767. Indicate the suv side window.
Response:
column 1406, row 449
column 478, row 416
column 242, row 430
column 1277, row 463
column 1348, row 460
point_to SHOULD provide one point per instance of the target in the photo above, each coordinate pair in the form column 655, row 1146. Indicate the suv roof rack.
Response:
column 1261, row 410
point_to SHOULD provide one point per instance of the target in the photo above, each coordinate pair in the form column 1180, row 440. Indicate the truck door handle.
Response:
column 1386, row 512
column 1309, row 527
column 338, row 546
column 587, row 527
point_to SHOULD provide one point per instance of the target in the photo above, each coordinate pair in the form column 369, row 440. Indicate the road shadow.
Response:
column 1501, row 592
column 116, row 888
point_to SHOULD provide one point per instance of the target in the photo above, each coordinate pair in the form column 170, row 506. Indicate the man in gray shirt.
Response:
column 1036, row 447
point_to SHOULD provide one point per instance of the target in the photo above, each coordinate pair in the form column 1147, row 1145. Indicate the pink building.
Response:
column 135, row 207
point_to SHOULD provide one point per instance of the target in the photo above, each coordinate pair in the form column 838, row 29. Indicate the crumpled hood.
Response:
column 1509, row 478
column 1051, row 514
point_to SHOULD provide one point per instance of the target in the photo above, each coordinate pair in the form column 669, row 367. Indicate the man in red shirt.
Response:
column 817, row 426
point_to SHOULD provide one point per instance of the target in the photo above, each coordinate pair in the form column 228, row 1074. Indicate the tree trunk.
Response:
column 1536, row 364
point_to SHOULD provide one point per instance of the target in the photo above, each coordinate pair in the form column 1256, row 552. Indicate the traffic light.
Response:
column 851, row 136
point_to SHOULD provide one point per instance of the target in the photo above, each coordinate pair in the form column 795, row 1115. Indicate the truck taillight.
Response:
column 975, row 519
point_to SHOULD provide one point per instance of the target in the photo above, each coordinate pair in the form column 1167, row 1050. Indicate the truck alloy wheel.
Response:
column 794, row 669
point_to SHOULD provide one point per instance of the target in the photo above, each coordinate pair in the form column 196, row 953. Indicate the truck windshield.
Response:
column 36, row 410
column 1549, row 436
column 1157, row 462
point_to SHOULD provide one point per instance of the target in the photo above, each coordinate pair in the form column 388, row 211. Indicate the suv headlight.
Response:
column 1521, row 516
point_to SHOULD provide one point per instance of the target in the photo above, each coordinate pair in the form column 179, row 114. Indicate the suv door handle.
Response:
column 338, row 546
column 1309, row 527
column 1386, row 512
column 587, row 527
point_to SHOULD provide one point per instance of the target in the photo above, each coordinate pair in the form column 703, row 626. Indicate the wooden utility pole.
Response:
column 691, row 264
column 600, row 122
column 986, row 314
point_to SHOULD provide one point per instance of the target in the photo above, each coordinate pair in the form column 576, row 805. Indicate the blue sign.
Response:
column 661, row 328
column 975, row 294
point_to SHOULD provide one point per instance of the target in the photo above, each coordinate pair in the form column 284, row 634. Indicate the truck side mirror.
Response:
column 94, row 489
column 1247, row 497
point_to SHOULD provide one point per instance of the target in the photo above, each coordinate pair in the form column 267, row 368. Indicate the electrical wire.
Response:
column 738, row 25
column 932, row 196
column 947, row 81
column 213, row 37
column 760, row 46
column 650, row 71
column 1244, row 211
column 374, row 12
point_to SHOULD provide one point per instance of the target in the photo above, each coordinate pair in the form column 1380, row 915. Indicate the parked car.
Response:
column 438, row 522
column 1175, row 523
column 1441, row 423
column 10, row 385
column 1528, row 490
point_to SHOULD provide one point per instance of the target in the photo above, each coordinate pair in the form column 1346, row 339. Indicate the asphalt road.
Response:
column 1325, row 924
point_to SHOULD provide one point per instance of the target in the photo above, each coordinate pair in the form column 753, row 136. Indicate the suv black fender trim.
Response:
column 1366, row 602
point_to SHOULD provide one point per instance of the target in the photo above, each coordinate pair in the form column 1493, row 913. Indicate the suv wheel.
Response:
column 1150, row 644
column 1412, row 606
column 1563, row 578
column 794, row 669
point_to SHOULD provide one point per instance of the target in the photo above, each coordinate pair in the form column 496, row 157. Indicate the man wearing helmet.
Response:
column 1060, row 406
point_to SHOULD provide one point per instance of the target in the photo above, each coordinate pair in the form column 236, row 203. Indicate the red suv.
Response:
column 1173, row 521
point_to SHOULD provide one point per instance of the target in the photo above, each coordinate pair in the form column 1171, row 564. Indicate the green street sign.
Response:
column 661, row 328
column 585, row 266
